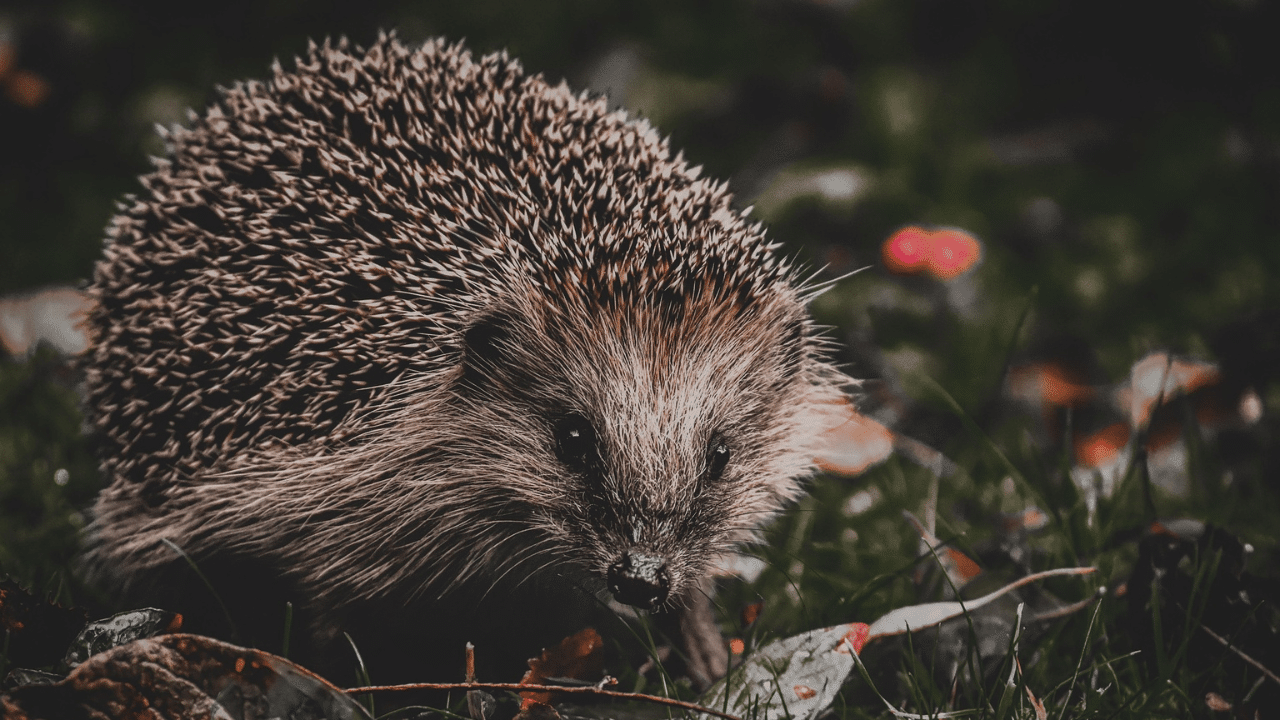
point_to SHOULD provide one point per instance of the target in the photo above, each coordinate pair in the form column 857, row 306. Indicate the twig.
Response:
column 1246, row 658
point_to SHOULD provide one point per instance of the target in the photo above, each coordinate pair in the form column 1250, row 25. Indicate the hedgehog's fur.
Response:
column 336, row 330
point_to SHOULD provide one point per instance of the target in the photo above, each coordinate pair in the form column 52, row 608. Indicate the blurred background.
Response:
column 1117, row 164
column 1121, row 157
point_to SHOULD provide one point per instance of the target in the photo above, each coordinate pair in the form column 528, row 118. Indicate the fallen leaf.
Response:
column 738, row 565
column 1102, row 447
column 959, row 568
column 578, row 657
column 1051, row 383
column 1216, row 703
column 54, row 315
column 854, row 445
column 915, row 617
column 119, row 629
column 1031, row 519
column 796, row 677
column 1158, row 377
column 533, row 710
column 184, row 677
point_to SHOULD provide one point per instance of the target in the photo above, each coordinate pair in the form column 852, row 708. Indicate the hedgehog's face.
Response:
column 659, row 435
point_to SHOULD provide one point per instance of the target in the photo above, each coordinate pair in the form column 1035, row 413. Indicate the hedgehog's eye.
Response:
column 576, row 442
column 717, row 458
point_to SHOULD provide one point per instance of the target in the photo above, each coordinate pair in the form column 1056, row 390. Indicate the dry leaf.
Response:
column 1158, row 377
column 1215, row 702
column 184, row 677
column 579, row 657
column 903, row 620
column 54, row 315
column 854, row 445
column 796, row 677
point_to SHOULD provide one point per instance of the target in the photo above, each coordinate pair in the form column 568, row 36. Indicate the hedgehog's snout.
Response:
column 639, row 579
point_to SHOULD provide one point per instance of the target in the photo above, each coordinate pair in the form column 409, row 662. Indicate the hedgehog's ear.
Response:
column 485, row 343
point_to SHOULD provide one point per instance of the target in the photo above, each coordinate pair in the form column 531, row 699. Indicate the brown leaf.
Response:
column 533, row 710
column 54, row 315
column 579, row 656
column 854, row 445
column 10, row 710
column 1102, row 447
column 1037, row 704
column 1216, row 702
column 1049, row 383
column 959, row 568
column 1157, row 377
column 184, row 677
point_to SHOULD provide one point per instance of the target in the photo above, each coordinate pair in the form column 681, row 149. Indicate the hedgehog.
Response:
column 415, row 334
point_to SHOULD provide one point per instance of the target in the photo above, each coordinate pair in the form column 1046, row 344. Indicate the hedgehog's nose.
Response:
column 639, row 579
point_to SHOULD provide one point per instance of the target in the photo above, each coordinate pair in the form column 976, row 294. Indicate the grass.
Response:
column 826, row 567
column 42, row 508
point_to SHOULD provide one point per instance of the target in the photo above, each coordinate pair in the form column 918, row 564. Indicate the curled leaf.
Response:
column 579, row 656
column 854, row 445
column 796, row 677
column 185, row 677
column 119, row 629
column 53, row 315
column 916, row 617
